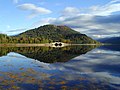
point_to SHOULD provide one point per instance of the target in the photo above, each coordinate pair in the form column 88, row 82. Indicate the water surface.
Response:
column 67, row 68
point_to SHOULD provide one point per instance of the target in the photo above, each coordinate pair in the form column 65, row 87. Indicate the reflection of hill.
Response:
column 48, row 54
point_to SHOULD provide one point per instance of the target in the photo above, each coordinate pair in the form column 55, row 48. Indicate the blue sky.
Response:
column 96, row 18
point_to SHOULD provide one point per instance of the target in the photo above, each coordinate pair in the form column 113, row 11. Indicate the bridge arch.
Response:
column 58, row 44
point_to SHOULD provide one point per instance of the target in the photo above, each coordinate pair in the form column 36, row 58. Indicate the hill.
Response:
column 48, row 34
column 112, row 40
column 58, row 33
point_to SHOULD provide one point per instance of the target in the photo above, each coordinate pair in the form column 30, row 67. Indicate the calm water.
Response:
column 67, row 68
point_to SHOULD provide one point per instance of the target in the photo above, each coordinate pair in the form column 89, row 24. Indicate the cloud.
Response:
column 108, row 9
column 42, row 22
column 108, row 19
column 94, row 26
column 104, row 10
column 14, row 31
column 70, row 11
column 35, row 10
column 96, row 21
column 17, row 30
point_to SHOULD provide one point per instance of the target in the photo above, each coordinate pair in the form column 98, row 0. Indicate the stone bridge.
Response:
column 57, row 44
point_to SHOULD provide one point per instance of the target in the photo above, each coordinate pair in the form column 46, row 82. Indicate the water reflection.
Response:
column 49, row 54
column 111, row 47
column 75, row 68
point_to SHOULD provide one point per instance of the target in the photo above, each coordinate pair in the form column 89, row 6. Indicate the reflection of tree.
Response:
column 48, row 54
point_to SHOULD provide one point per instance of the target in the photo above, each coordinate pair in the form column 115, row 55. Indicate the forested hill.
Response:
column 47, row 34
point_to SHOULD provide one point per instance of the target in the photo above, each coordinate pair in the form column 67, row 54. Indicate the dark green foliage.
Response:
column 48, row 34
column 4, row 39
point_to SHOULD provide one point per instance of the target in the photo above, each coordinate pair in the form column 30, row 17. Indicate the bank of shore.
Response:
column 41, row 45
column 22, row 45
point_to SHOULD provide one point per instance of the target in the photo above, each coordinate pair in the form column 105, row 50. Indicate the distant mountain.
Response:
column 112, row 40
column 48, row 34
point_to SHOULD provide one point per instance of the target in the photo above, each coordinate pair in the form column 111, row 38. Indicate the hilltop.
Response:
column 48, row 34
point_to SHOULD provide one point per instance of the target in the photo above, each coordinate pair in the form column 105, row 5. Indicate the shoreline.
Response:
column 21, row 45
column 41, row 45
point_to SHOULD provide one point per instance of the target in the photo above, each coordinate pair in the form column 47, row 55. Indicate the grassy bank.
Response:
column 22, row 45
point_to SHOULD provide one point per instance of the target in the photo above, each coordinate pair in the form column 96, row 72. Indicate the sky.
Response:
column 96, row 18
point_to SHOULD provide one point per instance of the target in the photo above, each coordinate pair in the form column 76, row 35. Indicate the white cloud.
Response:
column 114, row 1
column 96, row 21
column 104, row 10
column 14, row 31
column 107, row 9
column 70, row 11
column 85, row 24
column 42, row 22
column 35, row 10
